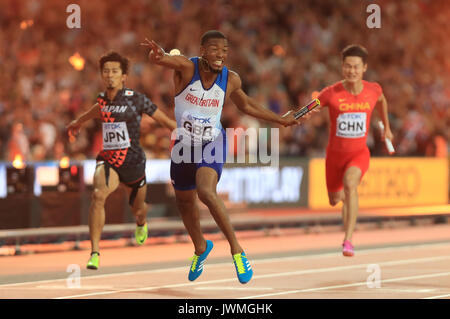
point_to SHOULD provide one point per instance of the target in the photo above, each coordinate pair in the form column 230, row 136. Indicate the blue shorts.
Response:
column 183, row 166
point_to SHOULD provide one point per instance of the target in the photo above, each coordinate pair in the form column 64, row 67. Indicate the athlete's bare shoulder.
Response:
column 186, row 67
column 182, row 76
column 234, row 81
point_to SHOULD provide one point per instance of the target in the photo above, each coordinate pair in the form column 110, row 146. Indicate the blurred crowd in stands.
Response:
column 284, row 50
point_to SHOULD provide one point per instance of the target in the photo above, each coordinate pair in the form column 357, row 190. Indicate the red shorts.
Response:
column 336, row 163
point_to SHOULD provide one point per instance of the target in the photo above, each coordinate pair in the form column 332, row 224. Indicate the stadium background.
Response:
column 283, row 50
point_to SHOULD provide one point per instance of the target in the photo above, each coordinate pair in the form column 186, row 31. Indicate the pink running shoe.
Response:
column 347, row 249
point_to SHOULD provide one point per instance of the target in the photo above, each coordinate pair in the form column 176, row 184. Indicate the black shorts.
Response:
column 132, row 175
column 128, row 175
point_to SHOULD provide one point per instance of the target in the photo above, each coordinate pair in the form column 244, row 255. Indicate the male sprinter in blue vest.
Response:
column 202, row 85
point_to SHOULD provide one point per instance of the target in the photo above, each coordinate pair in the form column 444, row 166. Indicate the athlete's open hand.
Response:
column 156, row 52
column 73, row 128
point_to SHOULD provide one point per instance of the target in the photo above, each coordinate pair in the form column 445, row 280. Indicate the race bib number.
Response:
column 115, row 136
column 351, row 125
column 199, row 129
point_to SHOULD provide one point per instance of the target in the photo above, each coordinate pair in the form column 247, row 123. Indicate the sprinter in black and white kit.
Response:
column 122, row 159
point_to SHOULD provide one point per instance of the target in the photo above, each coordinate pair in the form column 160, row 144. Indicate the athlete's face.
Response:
column 112, row 75
column 353, row 69
column 215, row 52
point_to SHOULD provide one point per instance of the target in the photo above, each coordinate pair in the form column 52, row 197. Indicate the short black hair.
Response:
column 212, row 34
column 113, row 56
column 355, row 50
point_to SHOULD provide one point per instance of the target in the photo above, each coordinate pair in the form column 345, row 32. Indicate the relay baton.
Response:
column 387, row 141
column 307, row 108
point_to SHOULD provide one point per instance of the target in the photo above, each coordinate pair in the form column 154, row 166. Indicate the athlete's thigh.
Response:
column 186, row 200
column 206, row 179
column 334, row 172
column 359, row 160
column 99, row 182
column 352, row 176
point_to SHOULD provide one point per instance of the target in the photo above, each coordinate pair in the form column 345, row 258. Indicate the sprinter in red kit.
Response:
column 350, row 104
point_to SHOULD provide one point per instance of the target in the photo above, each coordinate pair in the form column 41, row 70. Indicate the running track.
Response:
column 413, row 262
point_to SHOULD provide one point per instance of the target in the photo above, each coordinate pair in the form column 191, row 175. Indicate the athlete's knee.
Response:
column 335, row 198
column 351, row 185
column 351, row 179
column 206, row 195
column 99, row 195
column 334, row 201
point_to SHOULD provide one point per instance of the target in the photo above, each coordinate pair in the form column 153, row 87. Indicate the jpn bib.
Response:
column 115, row 136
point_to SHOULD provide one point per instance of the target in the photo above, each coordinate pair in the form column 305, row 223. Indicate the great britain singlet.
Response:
column 198, row 109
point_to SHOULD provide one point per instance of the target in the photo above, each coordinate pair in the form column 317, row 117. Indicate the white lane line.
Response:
column 81, row 287
column 283, row 274
column 419, row 291
column 442, row 274
column 95, row 276
column 232, row 288
column 437, row 297
column 367, row 251
column 361, row 252
column 147, row 288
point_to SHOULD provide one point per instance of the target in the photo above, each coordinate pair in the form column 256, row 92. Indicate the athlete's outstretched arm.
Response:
column 251, row 107
column 159, row 57
column 74, row 127
column 162, row 118
column 382, row 108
